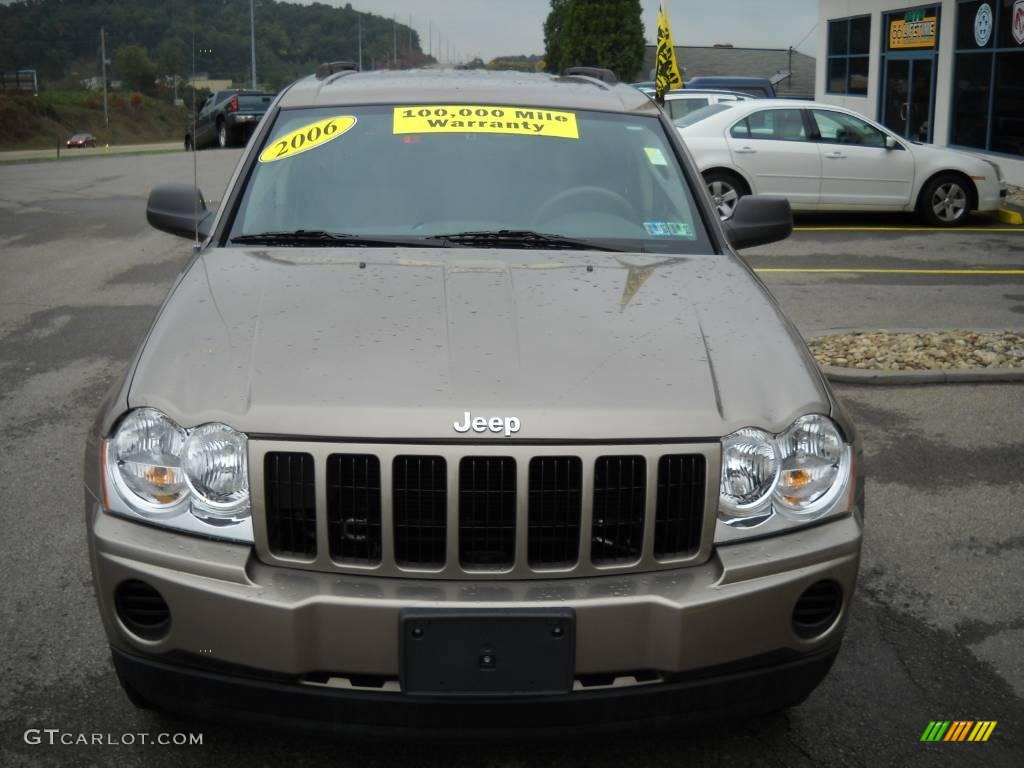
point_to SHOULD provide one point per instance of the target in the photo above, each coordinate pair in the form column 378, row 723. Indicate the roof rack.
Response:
column 327, row 69
column 598, row 73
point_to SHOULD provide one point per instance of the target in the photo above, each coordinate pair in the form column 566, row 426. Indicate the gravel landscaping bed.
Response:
column 930, row 351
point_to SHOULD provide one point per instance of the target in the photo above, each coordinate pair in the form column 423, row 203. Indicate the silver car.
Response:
column 466, row 414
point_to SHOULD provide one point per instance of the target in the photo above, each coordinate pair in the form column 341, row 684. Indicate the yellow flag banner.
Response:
column 666, row 73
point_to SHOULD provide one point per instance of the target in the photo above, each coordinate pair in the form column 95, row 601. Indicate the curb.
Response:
column 886, row 378
column 1011, row 216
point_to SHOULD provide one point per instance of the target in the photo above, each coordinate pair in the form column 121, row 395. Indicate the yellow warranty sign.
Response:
column 469, row 118
column 307, row 137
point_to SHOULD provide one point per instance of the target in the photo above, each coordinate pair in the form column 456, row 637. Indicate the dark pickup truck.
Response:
column 227, row 119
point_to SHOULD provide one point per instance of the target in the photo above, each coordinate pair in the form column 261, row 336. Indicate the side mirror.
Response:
column 759, row 220
column 178, row 209
column 891, row 143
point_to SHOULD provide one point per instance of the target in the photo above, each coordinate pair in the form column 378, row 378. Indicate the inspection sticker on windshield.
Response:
column 669, row 229
column 307, row 137
column 468, row 118
column 655, row 155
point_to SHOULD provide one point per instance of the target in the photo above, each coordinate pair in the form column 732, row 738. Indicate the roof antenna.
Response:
column 195, row 159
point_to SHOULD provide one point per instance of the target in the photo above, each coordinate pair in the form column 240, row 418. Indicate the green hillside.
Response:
column 61, row 38
column 30, row 122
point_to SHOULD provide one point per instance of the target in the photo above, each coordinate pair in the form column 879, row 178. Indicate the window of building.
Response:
column 849, row 45
column 988, row 94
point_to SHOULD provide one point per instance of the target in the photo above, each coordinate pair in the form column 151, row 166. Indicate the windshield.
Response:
column 413, row 172
column 700, row 114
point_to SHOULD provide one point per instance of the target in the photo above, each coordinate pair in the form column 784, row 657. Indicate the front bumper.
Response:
column 230, row 610
column 991, row 195
column 750, row 687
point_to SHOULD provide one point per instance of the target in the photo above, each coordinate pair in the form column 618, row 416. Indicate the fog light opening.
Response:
column 142, row 610
column 817, row 609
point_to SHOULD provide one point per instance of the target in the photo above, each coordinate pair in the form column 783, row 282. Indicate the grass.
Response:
column 43, row 121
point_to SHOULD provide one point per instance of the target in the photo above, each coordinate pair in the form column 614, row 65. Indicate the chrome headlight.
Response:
column 812, row 453
column 217, row 470
column 750, row 470
column 145, row 461
column 771, row 482
column 192, row 480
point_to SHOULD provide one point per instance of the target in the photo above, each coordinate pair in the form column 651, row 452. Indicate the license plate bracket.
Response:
column 510, row 652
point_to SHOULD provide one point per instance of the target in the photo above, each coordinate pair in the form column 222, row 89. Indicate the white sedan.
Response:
column 827, row 158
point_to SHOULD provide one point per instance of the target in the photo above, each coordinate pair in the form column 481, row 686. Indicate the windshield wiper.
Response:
column 319, row 237
column 519, row 238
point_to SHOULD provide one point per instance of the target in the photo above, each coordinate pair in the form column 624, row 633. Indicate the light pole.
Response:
column 252, row 29
column 103, row 56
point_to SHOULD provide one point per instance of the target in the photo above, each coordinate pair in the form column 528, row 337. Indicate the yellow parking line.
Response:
column 953, row 230
column 855, row 271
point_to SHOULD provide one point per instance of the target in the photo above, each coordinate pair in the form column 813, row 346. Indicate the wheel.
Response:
column 623, row 206
column 725, row 189
column 222, row 136
column 945, row 201
column 188, row 144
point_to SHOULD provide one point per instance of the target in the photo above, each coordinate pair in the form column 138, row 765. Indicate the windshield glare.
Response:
column 617, row 181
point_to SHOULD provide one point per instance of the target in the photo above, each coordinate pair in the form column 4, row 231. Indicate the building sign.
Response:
column 983, row 25
column 914, row 31
column 1018, row 22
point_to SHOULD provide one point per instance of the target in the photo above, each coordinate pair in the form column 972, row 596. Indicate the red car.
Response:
column 81, row 140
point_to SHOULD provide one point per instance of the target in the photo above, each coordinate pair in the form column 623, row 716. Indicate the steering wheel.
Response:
column 606, row 199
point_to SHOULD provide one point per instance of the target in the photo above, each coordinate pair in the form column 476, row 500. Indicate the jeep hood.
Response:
column 376, row 344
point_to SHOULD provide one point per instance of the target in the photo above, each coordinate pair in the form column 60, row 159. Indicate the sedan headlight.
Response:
column 771, row 482
column 192, row 480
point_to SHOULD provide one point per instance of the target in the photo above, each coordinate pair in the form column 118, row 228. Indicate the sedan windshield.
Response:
column 469, row 176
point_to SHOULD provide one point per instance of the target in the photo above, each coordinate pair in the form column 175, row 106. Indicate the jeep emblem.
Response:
column 508, row 424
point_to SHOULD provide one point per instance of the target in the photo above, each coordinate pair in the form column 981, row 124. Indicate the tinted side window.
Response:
column 840, row 128
column 777, row 124
column 741, row 130
column 682, row 107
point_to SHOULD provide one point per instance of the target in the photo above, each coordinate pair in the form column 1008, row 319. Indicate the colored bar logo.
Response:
column 959, row 730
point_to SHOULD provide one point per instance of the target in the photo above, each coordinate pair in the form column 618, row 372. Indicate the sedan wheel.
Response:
column 724, row 195
column 945, row 201
column 949, row 202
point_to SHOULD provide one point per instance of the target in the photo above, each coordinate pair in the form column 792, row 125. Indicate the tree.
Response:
column 554, row 29
column 602, row 33
column 135, row 70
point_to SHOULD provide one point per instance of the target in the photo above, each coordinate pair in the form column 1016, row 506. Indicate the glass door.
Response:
column 919, row 106
column 907, row 103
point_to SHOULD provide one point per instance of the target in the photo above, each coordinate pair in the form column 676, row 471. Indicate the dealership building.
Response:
column 950, row 73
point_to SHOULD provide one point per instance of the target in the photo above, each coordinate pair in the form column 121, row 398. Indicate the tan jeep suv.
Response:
column 466, row 404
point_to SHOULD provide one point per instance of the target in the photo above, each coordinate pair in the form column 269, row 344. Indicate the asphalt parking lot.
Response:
column 937, row 626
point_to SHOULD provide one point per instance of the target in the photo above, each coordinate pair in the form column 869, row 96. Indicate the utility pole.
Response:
column 252, row 28
column 103, row 58
column 360, row 20
column 394, row 43
column 430, row 38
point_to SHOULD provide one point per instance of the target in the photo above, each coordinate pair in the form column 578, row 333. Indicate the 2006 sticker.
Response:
column 470, row 118
column 307, row 137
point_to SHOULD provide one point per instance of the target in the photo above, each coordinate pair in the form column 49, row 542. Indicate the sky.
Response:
column 490, row 28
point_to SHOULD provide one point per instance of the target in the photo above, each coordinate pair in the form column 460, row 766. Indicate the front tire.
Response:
column 725, row 189
column 189, row 147
column 945, row 201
